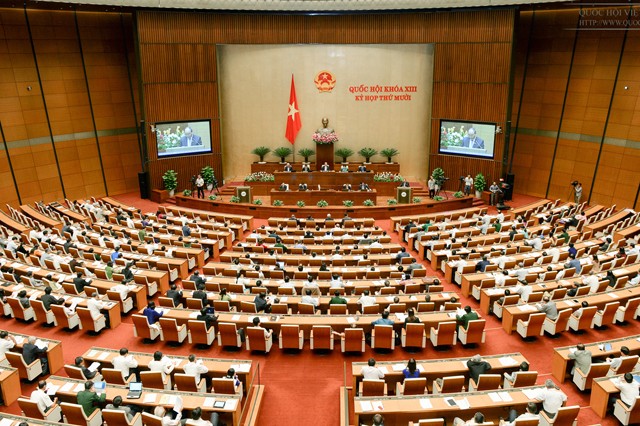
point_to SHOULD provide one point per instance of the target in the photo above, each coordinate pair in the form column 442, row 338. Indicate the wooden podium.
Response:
column 324, row 153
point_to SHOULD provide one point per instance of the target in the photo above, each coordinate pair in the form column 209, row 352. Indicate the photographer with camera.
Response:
column 200, row 186
column 577, row 191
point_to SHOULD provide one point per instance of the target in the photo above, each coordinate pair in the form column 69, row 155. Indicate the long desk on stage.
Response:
column 436, row 368
column 561, row 364
column 400, row 410
column 323, row 178
column 151, row 398
column 9, row 385
column 334, row 198
column 217, row 366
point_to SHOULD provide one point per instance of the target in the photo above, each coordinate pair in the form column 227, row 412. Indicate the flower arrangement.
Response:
column 451, row 137
column 387, row 177
column 235, row 199
column 278, row 203
column 167, row 139
column 257, row 202
column 187, row 193
column 392, row 202
column 347, row 203
column 300, row 203
column 322, row 203
column 324, row 138
column 368, row 203
column 213, row 197
column 416, row 200
column 260, row 177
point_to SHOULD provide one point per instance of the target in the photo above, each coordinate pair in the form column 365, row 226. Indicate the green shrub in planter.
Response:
column 438, row 176
column 261, row 151
column 458, row 194
column 306, row 153
column 257, row 202
column 322, row 203
column 278, row 203
column 283, row 152
column 187, row 193
column 479, row 182
column 438, row 198
column 213, row 197
column 170, row 180
column 392, row 202
column 207, row 175
column 344, row 153
column 300, row 203
column 416, row 200
column 235, row 199
column 367, row 153
column 368, row 203
column 389, row 153
column 347, row 203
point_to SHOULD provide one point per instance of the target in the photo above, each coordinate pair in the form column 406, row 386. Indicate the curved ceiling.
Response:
column 302, row 5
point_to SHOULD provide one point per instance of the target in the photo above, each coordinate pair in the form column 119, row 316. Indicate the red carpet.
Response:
column 302, row 388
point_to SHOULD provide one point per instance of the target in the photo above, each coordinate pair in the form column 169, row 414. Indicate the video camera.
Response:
column 574, row 183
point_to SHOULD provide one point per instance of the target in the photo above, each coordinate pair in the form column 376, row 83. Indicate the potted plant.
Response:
column 479, row 182
column 322, row 203
column 389, row 153
column 257, row 202
column 416, row 200
column 347, row 203
column 283, row 152
column 278, row 203
column 300, row 203
column 208, row 176
column 368, row 203
column 367, row 153
column 170, row 180
column 344, row 153
column 234, row 199
column 438, row 198
column 261, row 151
column 438, row 176
column 187, row 193
column 458, row 194
column 213, row 197
column 392, row 202
column 306, row 153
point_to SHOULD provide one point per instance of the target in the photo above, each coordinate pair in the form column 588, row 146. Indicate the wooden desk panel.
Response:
column 601, row 390
column 45, row 220
column 14, row 225
column 334, row 198
column 54, row 351
column 322, row 178
column 9, row 385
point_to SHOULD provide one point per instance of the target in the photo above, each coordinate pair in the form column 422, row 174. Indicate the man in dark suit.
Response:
column 90, row 375
column 80, row 283
column 196, row 278
column 30, row 353
column 288, row 168
column 325, row 167
column 472, row 140
column 303, row 187
column 364, row 187
column 405, row 184
column 261, row 303
column 200, row 293
column 469, row 315
column 362, row 168
column 47, row 299
column 175, row 294
column 189, row 139
column 210, row 319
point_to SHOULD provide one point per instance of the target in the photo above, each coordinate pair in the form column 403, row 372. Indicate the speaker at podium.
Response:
column 403, row 194
column 244, row 193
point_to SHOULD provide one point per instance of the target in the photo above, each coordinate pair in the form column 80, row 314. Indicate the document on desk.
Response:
column 612, row 295
column 150, row 398
column 66, row 387
column 527, row 308
column 244, row 368
column 52, row 389
column 194, row 315
column 377, row 405
column 463, row 404
column 397, row 367
column 6, row 422
column 208, row 402
column 351, row 320
column 79, row 387
column 494, row 397
column 230, row 404
column 366, row 406
column 93, row 353
column 507, row 361
column 425, row 403
column 235, row 318
column 530, row 393
column 103, row 356
column 94, row 366
column 505, row 396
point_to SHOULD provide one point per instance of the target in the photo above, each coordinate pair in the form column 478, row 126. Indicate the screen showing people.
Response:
column 183, row 138
column 467, row 138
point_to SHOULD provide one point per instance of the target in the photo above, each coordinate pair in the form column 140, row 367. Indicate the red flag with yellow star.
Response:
column 294, row 123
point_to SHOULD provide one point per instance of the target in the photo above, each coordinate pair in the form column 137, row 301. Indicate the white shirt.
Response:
column 523, row 416
column 374, row 372
column 337, row 283
column 524, row 291
column 593, row 282
column 367, row 301
column 199, row 422
column 123, row 290
column 42, row 399
column 94, row 306
column 552, row 400
column 124, row 363
column 165, row 365
column 628, row 391
column 5, row 345
column 195, row 369
column 310, row 300
column 468, row 181
column 500, row 279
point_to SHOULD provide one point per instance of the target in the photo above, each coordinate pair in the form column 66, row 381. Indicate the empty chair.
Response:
column 585, row 319
column 63, row 318
column 565, row 416
column 168, row 302
column 194, row 303
column 473, row 334
column 373, row 387
column 606, row 316
column 126, row 304
column 155, row 380
column 142, row 328
column 383, row 337
column 248, row 307
column 20, row 312
column 118, row 417
column 426, row 306
column 522, row 379
column 31, row 409
column 337, row 309
column 627, row 415
column 90, row 324
column 532, row 326
column 41, row 314
column 228, row 335
column 628, row 312
column 115, row 377
column 583, row 380
column 258, row 340
column 171, row 331
column 449, row 384
column 321, row 337
column 485, row 382
column 187, row 383
column 280, row 309
column 444, row 335
column 397, row 307
column 75, row 415
column 198, row 333
column 561, row 323
column 416, row 386
column 352, row 340
column 291, row 337
column 25, row 371
column 371, row 309
column 413, row 336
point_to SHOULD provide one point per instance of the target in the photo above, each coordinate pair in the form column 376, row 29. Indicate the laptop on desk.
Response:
column 135, row 390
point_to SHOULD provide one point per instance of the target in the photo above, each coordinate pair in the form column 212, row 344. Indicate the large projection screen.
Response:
column 255, row 83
